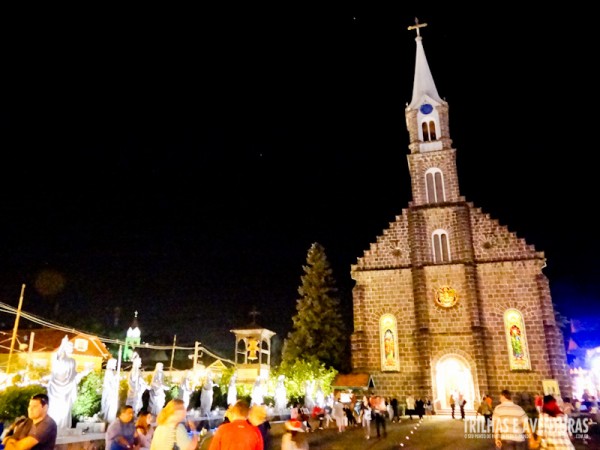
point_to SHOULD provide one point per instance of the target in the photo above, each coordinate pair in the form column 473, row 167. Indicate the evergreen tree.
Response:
column 318, row 327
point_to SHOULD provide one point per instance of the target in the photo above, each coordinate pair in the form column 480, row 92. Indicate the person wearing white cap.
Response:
column 294, row 438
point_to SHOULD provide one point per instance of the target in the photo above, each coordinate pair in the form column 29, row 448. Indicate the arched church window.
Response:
column 434, row 185
column 441, row 246
column 432, row 133
column 428, row 129
column 388, row 333
column 425, row 129
column 516, row 340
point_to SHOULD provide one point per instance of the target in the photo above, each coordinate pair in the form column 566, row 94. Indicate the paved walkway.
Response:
column 434, row 433
column 437, row 432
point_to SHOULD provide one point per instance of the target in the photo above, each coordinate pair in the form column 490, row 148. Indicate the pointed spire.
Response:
column 134, row 328
column 423, row 83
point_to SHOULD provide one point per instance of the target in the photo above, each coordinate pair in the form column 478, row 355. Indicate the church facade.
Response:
column 447, row 300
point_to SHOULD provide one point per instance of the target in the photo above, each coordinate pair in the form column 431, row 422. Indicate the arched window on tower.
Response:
column 429, row 133
column 434, row 186
column 441, row 246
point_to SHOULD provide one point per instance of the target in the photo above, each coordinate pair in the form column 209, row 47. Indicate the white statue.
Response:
column 157, row 390
column 320, row 396
column 309, row 401
column 206, row 396
column 62, row 386
column 110, row 392
column 329, row 400
column 232, row 390
column 185, row 388
column 258, row 393
column 136, row 384
column 280, row 395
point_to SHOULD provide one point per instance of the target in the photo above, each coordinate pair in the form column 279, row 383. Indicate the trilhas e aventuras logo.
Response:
column 512, row 429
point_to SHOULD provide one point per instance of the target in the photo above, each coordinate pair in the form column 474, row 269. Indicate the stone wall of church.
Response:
column 426, row 331
column 386, row 292
column 514, row 284
column 473, row 329
column 492, row 270
column 457, row 329
column 452, row 218
column 420, row 163
column 557, row 352
column 494, row 242
column 390, row 250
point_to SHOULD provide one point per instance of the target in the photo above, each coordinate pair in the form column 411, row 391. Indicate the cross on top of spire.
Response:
column 417, row 26
column 253, row 314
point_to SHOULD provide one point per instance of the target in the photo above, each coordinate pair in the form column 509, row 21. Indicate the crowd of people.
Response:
column 512, row 427
column 171, row 427
column 248, row 428
column 360, row 412
column 508, row 423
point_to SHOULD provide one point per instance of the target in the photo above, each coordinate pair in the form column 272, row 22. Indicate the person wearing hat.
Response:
column 294, row 438
column 553, row 426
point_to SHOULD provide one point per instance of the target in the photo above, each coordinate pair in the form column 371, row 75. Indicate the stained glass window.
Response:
column 516, row 339
column 388, row 332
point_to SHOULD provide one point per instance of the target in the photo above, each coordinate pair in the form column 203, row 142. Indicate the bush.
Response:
column 89, row 395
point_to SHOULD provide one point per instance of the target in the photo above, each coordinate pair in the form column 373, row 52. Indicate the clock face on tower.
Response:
column 426, row 108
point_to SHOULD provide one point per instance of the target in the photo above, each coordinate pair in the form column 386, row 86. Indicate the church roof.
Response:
column 423, row 84
column 251, row 330
column 353, row 381
column 134, row 323
column 48, row 340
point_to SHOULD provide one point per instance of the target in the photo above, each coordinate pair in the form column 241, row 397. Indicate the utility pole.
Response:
column 16, row 327
column 30, row 354
column 173, row 353
column 196, row 348
column 119, row 361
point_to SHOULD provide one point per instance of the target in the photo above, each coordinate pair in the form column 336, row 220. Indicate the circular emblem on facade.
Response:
column 426, row 108
column 446, row 296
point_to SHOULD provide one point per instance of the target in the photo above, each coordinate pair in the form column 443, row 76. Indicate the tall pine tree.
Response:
column 318, row 327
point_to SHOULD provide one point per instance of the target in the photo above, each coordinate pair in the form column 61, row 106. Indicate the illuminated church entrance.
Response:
column 453, row 376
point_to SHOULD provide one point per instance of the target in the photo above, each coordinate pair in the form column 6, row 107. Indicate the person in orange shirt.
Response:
column 239, row 434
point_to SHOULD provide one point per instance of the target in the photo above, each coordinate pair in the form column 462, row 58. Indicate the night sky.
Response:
column 181, row 163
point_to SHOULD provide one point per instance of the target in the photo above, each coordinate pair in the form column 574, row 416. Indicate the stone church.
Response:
column 447, row 300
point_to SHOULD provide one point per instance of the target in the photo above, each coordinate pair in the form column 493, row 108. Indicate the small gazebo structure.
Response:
column 252, row 352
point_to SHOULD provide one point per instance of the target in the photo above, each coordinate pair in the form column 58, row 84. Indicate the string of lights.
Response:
column 56, row 326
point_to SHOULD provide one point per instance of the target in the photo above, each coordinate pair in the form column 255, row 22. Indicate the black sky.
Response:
column 182, row 162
